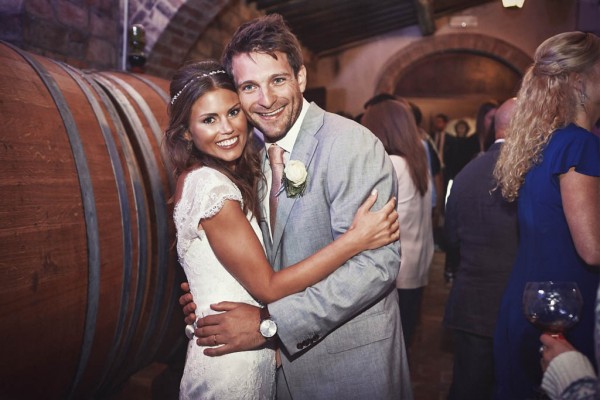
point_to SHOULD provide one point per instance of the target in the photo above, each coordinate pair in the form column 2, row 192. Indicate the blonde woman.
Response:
column 550, row 164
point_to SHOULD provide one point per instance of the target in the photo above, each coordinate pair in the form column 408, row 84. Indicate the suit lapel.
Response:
column 304, row 150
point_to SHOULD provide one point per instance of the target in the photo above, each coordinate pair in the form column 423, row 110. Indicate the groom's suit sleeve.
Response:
column 350, row 165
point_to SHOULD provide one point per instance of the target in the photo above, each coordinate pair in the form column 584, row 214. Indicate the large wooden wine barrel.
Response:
column 88, row 274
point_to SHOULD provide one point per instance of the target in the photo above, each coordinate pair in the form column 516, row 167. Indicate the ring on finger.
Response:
column 542, row 348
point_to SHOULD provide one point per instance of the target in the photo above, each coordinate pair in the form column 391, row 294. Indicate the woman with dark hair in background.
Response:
column 392, row 121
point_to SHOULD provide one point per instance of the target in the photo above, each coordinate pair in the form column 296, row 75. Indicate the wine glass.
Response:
column 553, row 307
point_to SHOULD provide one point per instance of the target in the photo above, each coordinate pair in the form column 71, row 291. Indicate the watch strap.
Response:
column 264, row 313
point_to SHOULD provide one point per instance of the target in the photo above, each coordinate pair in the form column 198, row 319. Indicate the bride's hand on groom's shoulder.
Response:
column 233, row 329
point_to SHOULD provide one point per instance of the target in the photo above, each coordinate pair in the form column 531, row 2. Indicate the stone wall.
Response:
column 79, row 32
column 215, row 37
column 199, row 30
column 90, row 34
column 154, row 16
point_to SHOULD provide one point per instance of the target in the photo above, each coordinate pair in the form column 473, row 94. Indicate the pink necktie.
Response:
column 276, row 162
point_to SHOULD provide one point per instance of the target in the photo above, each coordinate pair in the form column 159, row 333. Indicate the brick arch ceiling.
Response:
column 486, row 45
column 173, row 26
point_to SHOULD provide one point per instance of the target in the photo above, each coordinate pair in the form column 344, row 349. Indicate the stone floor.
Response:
column 430, row 355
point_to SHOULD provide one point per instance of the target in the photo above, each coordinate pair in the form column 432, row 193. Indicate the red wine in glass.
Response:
column 552, row 307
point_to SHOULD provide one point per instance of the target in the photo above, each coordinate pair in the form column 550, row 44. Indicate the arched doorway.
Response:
column 454, row 73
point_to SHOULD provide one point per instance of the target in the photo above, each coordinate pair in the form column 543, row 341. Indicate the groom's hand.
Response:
column 234, row 329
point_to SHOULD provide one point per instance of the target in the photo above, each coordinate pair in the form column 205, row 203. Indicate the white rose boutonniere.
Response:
column 294, row 178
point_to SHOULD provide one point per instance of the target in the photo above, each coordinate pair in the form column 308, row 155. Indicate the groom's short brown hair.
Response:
column 268, row 34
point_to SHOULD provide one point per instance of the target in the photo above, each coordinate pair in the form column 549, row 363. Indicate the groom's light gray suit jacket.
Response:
column 342, row 338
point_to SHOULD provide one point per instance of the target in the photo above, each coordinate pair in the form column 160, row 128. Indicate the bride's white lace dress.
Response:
column 243, row 375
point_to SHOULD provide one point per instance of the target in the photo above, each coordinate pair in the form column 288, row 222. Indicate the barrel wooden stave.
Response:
column 33, row 259
column 134, row 99
column 44, row 290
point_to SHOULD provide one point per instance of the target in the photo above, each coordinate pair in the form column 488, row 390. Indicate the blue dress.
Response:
column 546, row 252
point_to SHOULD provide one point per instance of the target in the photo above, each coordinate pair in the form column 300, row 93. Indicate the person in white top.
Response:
column 392, row 121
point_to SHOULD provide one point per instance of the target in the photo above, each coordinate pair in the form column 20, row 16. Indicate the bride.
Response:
column 219, row 244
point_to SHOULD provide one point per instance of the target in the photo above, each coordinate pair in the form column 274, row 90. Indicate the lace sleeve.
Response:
column 204, row 193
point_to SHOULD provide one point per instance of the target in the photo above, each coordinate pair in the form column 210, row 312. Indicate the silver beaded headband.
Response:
column 218, row 71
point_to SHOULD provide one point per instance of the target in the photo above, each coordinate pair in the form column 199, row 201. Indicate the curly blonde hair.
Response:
column 548, row 100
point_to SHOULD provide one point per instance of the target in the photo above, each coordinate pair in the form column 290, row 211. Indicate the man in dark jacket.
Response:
column 481, row 229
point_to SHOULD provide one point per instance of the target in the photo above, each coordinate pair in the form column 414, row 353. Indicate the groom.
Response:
column 341, row 338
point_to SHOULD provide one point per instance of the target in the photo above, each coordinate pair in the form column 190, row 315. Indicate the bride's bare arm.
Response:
column 236, row 246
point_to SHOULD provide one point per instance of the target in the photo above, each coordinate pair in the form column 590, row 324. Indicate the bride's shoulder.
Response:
column 201, row 174
column 191, row 176
column 203, row 179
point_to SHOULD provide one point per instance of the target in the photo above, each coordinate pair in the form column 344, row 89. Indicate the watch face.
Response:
column 268, row 328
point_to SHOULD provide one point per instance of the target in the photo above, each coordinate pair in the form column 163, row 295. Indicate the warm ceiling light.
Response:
column 513, row 3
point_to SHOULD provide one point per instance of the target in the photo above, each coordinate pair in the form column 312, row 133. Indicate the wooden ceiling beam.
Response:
column 323, row 25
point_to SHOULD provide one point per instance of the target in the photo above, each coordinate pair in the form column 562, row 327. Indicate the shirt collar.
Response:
column 288, row 141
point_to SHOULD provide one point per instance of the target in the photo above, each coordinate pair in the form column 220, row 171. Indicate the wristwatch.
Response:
column 267, row 327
